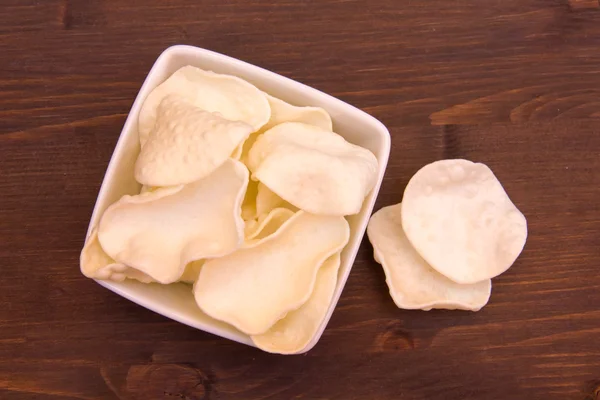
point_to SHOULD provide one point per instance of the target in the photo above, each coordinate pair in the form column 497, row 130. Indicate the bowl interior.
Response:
column 176, row 301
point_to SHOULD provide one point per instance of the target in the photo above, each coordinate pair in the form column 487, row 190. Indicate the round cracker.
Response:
column 458, row 217
column 413, row 283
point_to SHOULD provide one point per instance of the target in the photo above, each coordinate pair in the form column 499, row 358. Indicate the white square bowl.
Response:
column 176, row 301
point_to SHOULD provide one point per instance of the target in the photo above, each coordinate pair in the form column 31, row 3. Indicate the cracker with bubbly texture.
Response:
column 259, row 284
column 231, row 97
column 458, row 217
column 412, row 282
column 186, row 144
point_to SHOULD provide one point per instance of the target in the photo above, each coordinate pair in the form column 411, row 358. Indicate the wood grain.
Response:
column 512, row 83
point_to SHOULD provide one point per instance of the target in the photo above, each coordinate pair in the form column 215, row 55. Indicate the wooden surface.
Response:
column 512, row 83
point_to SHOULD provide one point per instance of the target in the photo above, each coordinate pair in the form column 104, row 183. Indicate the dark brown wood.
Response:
column 512, row 83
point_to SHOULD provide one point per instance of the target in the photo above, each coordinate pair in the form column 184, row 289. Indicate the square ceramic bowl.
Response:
column 176, row 301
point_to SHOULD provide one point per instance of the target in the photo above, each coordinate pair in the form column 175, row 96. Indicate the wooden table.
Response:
column 512, row 83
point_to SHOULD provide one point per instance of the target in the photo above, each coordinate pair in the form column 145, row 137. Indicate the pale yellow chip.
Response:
column 294, row 332
column 457, row 215
column 313, row 169
column 96, row 264
column 237, row 152
column 232, row 97
column 284, row 112
column 267, row 224
column 249, row 203
column 260, row 201
column 192, row 270
column 257, row 285
column 267, row 201
column 146, row 189
column 160, row 232
column 186, row 144
column 412, row 282
column 247, row 145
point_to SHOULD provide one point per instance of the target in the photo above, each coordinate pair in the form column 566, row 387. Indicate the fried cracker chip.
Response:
column 96, row 264
column 260, row 201
column 458, row 217
column 281, row 112
column 146, row 188
column 259, row 284
column 232, row 97
column 313, row 169
column 294, row 332
column 267, row 224
column 160, row 232
column 413, row 283
column 192, row 270
column 186, row 144
column 249, row 203
column 267, row 201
